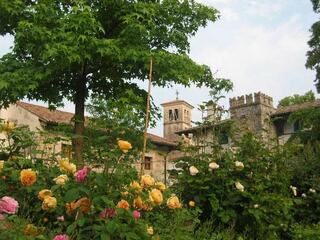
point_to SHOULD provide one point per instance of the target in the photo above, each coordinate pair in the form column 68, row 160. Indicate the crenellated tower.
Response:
column 252, row 113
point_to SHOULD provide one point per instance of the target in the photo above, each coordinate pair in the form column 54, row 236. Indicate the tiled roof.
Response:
column 47, row 115
column 195, row 128
column 296, row 107
column 57, row 116
column 160, row 140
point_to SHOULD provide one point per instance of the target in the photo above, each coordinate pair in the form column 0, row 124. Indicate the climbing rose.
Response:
column 193, row 170
column 239, row 186
column 82, row 174
column 1, row 164
column 160, row 186
column 123, row 204
column 124, row 146
column 61, row 237
column 49, row 203
column 28, row 177
column 147, row 181
column 192, row 204
column 239, row 165
column 173, row 202
column 8, row 205
column 108, row 213
column 294, row 190
column 136, row 214
column 44, row 193
column 214, row 165
column 66, row 166
column 61, row 179
column 156, row 196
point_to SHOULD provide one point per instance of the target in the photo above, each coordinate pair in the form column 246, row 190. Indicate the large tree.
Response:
column 71, row 49
column 313, row 60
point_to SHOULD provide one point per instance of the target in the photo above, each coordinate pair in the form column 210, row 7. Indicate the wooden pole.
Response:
column 147, row 121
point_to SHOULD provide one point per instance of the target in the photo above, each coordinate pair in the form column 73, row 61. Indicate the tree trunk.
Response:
column 79, row 101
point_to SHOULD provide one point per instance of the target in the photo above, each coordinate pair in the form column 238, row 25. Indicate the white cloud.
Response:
column 264, row 9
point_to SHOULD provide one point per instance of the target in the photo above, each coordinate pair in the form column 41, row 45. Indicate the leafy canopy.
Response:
column 297, row 99
column 313, row 60
column 104, row 44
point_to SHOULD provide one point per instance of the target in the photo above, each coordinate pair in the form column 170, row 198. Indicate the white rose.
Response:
column 213, row 165
column 303, row 195
column 61, row 179
column 239, row 186
column 239, row 165
column 256, row 206
column 312, row 190
column 294, row 190
column 193, row 170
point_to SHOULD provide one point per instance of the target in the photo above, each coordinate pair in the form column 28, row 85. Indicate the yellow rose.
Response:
column 28, row 177
column 192, row 204
column 84, row 204
column 8, row 126
column 156, row 196
column 213, row 166
column 49, row 203
column 44, row 193
column 160, row 186
column 136, row 186
column 61, row 179
column 66, row 166
column 137, row 202
column 150, row 230
column 123, row 204
column 1, row 165
column 239, row 165
column 173, row 202
column 124, row 146
column 147, row 181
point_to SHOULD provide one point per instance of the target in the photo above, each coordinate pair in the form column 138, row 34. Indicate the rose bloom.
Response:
column 49, row 203
column 160, row 186
column 8, row 205
column 147, row 181
column 312, row 190
column 124, row 146
column 192, row 204
column 173, row 202
column 61, row 237
column 71, row 207
column 193, row 171
column 108, row 213
column 294, row 190
column 66, row 166
column 28, row 177
column 60, row 218
column 136, row 186
column 239, row 165
column 82, row 174
column 239, row 186
column 61, row 179
column 137, row 202
column 156, row 196
column 136, row 214
column 214, row 165
column 150, row 230
column 84, row 204
column 44, row 193
column 146, row 206
column 1, row 165
column 123, row 204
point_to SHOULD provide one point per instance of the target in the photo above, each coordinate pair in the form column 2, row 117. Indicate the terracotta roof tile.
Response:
column 47, row 115
column 296, row 107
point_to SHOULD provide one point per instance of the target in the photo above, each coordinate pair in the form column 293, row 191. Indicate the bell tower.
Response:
column 176, row 117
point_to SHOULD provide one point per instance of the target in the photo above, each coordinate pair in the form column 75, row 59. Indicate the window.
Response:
column 176, row 114
column 280, row 127
column 147, row 163
column 66, row 150
column 296, row 126
column 223, row 138
column 170, row 115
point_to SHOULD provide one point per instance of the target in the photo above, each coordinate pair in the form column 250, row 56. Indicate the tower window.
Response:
column 176, row 114
column 147, row 163
column 170, row 115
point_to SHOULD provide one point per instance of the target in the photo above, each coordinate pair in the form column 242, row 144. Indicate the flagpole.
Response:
column 147, row 121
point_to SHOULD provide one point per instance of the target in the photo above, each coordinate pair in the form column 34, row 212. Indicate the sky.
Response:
column 260, row 45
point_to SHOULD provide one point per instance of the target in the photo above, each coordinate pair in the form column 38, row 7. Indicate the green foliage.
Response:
column 297, row 99
column 302, row 232
column 313, row 54
column 262, row 210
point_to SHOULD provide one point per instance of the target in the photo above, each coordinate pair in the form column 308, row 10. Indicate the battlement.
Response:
column 257, row 98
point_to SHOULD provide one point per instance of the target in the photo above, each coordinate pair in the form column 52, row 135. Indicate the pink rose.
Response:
column 136, row 214
column 8, row 205
column 61, row 237
column 108, row 213
column 82, row 174
column 60, row 218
